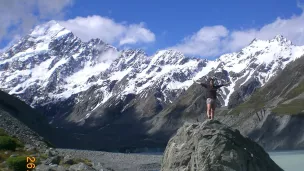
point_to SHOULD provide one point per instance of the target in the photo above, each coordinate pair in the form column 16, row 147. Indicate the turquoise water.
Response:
column 289, row 160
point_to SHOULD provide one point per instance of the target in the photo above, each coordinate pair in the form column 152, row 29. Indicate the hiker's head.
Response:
column 211, row 82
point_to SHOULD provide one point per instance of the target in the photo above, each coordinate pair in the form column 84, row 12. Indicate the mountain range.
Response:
column 115, row 99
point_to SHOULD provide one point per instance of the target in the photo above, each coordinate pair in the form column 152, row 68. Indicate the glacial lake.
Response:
column 289, row 160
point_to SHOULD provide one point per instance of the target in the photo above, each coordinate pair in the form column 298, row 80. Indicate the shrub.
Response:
column 17, row 163
column 18, row 143
column 2, row 132
column 7, row 143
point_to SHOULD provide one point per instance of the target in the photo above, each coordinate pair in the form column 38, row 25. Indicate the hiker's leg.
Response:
column 208, row 102
column 208, row 110
column 212, row 109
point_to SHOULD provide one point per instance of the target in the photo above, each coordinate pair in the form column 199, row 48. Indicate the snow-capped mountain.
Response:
column 42, row 64
column 51, row 66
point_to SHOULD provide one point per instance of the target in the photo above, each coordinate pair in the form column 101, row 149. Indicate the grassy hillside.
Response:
column 284, row 94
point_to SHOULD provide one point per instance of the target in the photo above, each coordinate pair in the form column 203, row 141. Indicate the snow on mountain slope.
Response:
column 260, row 60
column 51, row 65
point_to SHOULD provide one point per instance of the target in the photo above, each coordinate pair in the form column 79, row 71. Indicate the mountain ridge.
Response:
column 60, row 40
column 94, row 87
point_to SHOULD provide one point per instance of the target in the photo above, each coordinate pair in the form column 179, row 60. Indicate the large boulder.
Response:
column 213, row 146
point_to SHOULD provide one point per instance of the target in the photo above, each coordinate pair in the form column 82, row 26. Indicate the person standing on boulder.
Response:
column 211, row 96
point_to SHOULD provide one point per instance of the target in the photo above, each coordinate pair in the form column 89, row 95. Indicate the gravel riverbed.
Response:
column 118, row 161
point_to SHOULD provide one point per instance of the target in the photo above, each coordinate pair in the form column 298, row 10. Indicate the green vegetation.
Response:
column 2, row 132
column 12, row 146
column 258, row 100
column 7, row 143
column 17, row 163
column 294, row 107
column 18, row 143
column 296, row 91
column 5, row 155
column 256, row 103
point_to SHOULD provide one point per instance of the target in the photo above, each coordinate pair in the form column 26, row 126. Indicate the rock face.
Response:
column 213, row 146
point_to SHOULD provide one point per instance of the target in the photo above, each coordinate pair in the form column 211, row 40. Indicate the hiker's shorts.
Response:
column 210, row 101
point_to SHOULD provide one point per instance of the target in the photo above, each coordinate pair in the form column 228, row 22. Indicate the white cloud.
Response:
column 108, row 30
column 108, row 56
column 216, row 40
column 137, row 33
column 206, row 40
column 19, row 16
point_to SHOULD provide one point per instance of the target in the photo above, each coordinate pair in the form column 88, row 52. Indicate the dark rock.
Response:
column 53, row 160
column 244, row 92
column 68, row 160
column 51, row 152
column 81, row 167
column 214, row 146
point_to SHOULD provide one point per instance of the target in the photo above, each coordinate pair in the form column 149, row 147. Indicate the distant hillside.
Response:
column 20, row 120
column 283, row 95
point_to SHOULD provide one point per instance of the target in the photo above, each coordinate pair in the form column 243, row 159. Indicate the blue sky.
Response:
column 172, row 20
column 195, row 27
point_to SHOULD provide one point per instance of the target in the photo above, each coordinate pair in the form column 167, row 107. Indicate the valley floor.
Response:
column 289, row 160
column 118, row 161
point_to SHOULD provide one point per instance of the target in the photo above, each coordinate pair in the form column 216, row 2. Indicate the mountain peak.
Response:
column 51, row 28
column 279, row 37
column 276, row 39
column 170, row 52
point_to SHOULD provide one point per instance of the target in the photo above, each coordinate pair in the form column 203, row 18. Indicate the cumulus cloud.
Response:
column 215, row 40
column 19, row 16
column 206, row 40
column 108, row 30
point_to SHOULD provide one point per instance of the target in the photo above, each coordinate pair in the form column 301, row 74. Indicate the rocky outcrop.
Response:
column 213, row 146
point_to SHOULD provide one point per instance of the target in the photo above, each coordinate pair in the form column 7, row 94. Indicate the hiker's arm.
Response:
column 203, row 84
column 200, row 83
column 219, row 86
